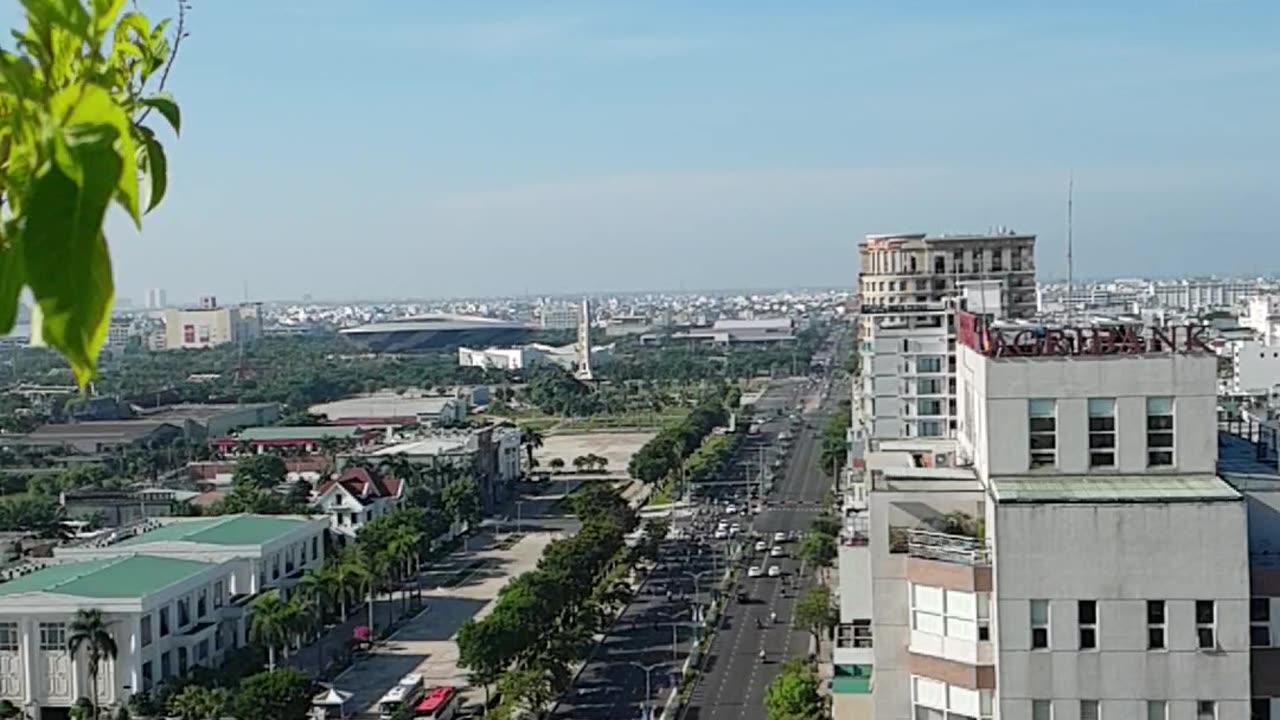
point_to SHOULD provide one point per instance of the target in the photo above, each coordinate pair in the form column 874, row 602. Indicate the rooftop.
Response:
column 434, row 445
column 202, row 411
column 300, row 432
column 129, row 576
column 231, row 530
column 1112, row 488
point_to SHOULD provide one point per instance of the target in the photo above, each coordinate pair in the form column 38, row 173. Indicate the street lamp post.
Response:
column 519, row 513
column 648, row 686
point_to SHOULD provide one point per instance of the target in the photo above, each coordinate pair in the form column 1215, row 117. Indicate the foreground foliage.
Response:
column 793, row 694
column 75, row 94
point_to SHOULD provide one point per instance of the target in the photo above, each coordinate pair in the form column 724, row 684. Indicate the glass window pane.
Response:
column 1039, row 612
column 1204, row 612
column 1041, row 408
column 1155, row 612
column 1088, row 612
column 1040, row 710
column 1260, row 609
column 1159, row 406
column 1156, row 710
column 1102, row 407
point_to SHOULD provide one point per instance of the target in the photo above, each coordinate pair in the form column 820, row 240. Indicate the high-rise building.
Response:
column 559, row 316
column 211, row 325
column 1088, row 546
column 908, row 289
column 156, row 299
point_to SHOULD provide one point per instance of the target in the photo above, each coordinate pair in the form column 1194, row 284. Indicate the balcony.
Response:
column 947, row 547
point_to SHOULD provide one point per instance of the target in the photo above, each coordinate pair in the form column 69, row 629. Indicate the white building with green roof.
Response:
column 264, row 551
column 166, row 614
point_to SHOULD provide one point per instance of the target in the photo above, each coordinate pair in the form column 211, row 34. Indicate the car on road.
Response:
column 754, row 571
column 761, row 546
column 780, row 537
column 721, row 534
column 777, row 551
column 734, row 529
column 775, row 571
column 730, row 510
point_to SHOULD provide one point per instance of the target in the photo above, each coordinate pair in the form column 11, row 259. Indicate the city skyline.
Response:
column 580, row 147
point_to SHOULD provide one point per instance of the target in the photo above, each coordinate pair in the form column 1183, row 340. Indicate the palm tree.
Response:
column 199, row 703
column 401, row 467
column 316, row 589
column 328, row 447
column 532, row 440
column 580, row 462
column 273, row 622
column 557, row 464
column 92, row 632
column 402, row 548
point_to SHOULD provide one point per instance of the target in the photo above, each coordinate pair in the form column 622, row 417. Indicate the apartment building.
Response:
column 166, row 615
column 1077, row 556
column 909, row 287
column 210, row 325
column 916, row 268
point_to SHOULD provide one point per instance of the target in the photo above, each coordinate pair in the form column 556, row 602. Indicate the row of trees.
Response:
column 545, row 618
column 676, row 441
column 834, row 447
column 582, row 463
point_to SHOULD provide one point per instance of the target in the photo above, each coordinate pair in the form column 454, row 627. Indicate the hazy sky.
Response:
column 419, row 147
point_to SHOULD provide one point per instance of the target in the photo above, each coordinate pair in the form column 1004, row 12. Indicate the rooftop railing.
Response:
column 945, row 547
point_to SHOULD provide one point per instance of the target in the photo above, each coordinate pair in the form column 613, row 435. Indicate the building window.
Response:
column 184, row 612
column 218, row 589
column 315, row 548
column 202, row 603
column 1041, row 710
column 1155, row 625
column 1260, row 709
column 1206, row 710
column 928, row 364
column 1204, row 624
column 1088, row 618
column 929, row 407
column 202, row 651
column 53, row 636
column 1102, row 432
column 164, row 621
column 8, row 637
column 1260, row 622
column 182, row 662
column 862, row 634
column 1157, row 710
column 1044, row 432
column 1159, row 431
column 166, row 667
column 1039, row 624
column 1088, row 710
column 930, row 428
column 144, row 628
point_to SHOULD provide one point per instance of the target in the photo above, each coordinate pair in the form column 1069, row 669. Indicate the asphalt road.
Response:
column 733, row 681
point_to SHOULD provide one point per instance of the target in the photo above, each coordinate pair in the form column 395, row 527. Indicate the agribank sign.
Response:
column 1071, row 341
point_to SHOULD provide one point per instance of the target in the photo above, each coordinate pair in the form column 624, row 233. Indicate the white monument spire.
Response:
column 584, row 342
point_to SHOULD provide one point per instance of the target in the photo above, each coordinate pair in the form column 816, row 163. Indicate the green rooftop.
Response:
column 299, row 432
column 1113, row 488
column 130, row 576
column 225, row 530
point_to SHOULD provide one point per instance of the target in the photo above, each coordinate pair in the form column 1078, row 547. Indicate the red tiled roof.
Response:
column 363, row 485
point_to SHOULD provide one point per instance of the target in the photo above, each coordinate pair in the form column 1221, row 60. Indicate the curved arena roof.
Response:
column 436, row 332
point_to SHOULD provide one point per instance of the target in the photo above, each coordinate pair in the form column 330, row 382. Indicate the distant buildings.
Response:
column 560, row 316
column 436, row 410
column 156, row 299
column 521, row 357
column 210, row 325
column 737, row 331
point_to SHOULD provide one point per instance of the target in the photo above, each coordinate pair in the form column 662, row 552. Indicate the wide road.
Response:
column 652, row 639
column 733, row 681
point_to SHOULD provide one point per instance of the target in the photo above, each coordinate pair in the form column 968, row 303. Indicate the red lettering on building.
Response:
column 1022, row 341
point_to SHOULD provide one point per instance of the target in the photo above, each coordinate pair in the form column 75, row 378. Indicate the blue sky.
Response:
column 423, row 148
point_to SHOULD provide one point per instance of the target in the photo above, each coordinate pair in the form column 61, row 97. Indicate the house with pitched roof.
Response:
column 355, row 497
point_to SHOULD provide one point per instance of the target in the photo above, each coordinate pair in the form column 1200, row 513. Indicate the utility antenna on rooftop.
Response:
column 1071, row 181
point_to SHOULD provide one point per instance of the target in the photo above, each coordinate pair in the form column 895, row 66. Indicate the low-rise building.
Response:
column 443, row 410
column 211, row 421
column 210, row 325
column 100, row 437
column 305, row 438
column 356, row 497
column 166, row 615
column 118, row 507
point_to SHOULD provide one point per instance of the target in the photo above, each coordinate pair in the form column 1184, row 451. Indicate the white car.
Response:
column 761, row 546
column 730, row 510
column 779, row 537
column 754, row 571
column 722, row 525
column 774, row 571
column 777, row 551
column 721, row 534
column 734, row 529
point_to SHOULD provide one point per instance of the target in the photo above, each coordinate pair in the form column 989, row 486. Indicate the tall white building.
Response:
column 156, row 299
column 907, row 383
column 1077, row 555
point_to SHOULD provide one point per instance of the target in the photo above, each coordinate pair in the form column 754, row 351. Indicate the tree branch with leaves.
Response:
column 75, row 93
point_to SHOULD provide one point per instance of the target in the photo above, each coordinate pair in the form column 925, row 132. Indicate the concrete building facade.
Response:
column 211, row 325
column 1077, row 556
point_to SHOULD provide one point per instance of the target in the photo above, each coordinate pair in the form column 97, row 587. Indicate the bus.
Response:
column 439, row 704
column 406, row 692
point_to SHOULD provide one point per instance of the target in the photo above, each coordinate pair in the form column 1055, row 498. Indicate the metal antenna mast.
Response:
column 1070, row 266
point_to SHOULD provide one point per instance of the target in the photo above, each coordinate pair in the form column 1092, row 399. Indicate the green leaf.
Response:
column 64, row 252
column 104, row 15
column 12, row 278
column 136, row 22
column 69, row 15
column 90, row 106
column 157, row 171
column 164, row 104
